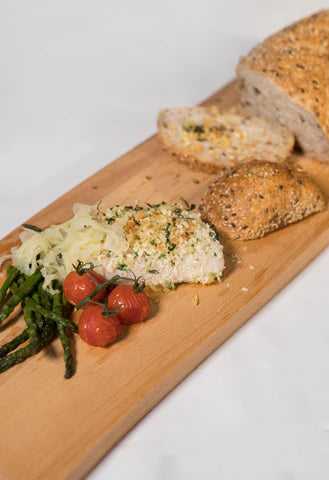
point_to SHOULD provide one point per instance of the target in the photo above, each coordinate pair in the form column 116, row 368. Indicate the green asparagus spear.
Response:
column 10, row 346
column 16, row 357
column 18, row 283
column 66, row 306
column 38, row 318
column 23, row 353
column 14, row 287
column 65, row 341
column 50, row 315
column 12, row 274
column 34, row 339
column 30, row 282
column 45, row 298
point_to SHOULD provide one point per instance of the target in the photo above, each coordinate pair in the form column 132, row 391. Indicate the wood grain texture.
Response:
column 55, row 428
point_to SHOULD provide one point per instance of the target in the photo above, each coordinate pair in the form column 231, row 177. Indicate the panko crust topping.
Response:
column 165, row 243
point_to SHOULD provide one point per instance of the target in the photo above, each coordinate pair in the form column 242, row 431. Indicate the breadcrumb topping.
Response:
column 165, row 243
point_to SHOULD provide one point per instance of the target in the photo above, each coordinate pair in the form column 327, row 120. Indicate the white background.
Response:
column 81, row 82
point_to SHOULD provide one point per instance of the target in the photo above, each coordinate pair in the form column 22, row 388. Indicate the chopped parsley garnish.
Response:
column 187, row 205
column 192, row 127
column 153, row 242
column 122, row 266
column 213, row 235
column 153, row 271
column 178, row 212
column 161, row 256
column 155, row 205
column 32, row 227
column 110, row 220
column 171, row 245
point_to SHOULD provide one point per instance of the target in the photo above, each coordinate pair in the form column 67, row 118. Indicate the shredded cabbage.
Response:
column 55, row 250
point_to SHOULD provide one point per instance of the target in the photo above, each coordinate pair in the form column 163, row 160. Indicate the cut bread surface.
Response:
column 204, row 139
column 285, row 79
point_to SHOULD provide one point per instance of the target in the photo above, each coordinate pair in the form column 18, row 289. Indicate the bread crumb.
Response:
column 251, row 267
column 146, row 179
column 228, row 284
column 235, row 258
column 244, row 289
column 196, row 300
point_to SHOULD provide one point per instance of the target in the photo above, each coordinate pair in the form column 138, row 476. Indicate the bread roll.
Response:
column 258, row 197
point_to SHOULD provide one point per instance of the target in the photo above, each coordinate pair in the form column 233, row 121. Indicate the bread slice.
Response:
column 258, row 197
column 285, row 79
column 202, row 138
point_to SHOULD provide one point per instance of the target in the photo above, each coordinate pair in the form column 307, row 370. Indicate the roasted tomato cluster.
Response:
column 103, row 312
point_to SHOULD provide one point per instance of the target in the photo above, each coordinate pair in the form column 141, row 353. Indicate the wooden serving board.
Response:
column 59, row 429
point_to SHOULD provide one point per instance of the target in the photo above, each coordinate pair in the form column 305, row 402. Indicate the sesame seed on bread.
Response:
column 285, row 79
column 202, row 138
column 258, row 197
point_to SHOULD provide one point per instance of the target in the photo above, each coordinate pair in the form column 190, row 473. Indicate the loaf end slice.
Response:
column 258, row 197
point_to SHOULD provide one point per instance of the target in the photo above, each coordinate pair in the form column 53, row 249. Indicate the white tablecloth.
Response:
column 81, row 82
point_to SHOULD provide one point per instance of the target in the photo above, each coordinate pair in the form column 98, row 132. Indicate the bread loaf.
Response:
column 285, row 78
column 258, row 197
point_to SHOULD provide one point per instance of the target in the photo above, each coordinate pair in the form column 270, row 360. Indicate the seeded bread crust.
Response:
column 205, row 140
column 256, row 198
column 285, row 78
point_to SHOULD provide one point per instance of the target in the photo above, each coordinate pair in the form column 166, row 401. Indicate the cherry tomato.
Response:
column 96, row 329
column 135, row 305
column 76, row 287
